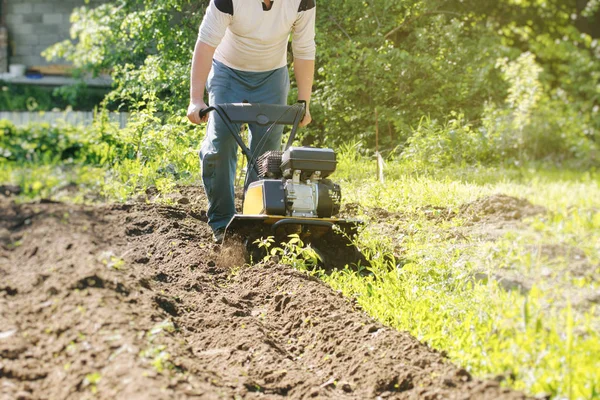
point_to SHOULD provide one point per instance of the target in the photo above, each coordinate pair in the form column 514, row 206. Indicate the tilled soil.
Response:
column 499, row 208
column 135, row 302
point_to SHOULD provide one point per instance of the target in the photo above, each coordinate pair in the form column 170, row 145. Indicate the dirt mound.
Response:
column 430, row 212
column 134, row 301
column 499, row 207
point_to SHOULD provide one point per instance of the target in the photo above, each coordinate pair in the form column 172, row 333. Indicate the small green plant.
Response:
column 158, row 358
column 164, row 326
column 112, row 261
column 116, row 263
column 92, row 381
column 292, row 252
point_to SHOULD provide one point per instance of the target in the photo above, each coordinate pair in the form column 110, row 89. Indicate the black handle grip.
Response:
column 206, row 111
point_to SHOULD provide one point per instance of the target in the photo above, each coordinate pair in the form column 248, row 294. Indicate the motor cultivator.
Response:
column 293, row 193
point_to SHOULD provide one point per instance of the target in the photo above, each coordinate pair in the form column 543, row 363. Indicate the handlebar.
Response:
column 262, row 114
column 205, row 111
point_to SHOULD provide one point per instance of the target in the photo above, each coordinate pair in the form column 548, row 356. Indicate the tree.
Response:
column 407, row 58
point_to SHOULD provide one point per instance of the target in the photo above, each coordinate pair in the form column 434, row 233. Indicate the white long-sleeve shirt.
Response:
column 249, row 38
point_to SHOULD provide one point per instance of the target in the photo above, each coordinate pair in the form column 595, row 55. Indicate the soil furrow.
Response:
column 134, row 301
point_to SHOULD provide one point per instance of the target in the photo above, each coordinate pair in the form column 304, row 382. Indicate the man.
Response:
column 241, row 55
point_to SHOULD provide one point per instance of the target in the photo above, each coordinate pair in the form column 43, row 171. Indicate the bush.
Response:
column 149, row 150
column 531, row 126
column 433, row 65
column 438, row 145
column 534, row 125
column 34, row 98
column 43, row 144
column 405, row 59
column 168, row 143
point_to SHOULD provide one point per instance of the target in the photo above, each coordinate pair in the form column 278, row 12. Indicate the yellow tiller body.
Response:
column 293, row 194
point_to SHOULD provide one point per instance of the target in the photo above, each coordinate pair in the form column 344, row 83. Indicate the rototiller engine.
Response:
column 293, row 194
column 293, row 183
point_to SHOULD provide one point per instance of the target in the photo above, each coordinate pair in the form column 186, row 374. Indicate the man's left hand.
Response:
column 307, row 118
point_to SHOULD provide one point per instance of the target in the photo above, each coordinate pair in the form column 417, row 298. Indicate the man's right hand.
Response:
column 193, row 112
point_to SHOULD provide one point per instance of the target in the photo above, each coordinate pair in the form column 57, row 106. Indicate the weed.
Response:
column 293, row 252
column 92, row 381
column 158, row 358
column 164, row 326
column 112, row 261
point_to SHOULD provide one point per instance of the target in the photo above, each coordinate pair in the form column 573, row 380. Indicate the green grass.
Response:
column 92, row 183
column 481, row 326
column 542, row 340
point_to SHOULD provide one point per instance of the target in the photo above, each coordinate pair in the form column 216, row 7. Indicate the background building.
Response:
column 28, row 27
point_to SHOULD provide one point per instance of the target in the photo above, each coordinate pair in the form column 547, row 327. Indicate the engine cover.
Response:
column 312, row 199
column 265, row 197
column 308, row 160
column 301, row 199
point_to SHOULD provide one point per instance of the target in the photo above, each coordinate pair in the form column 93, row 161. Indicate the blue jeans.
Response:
column 218, row 154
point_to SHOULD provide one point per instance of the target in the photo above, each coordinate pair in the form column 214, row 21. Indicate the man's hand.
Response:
column 307, row 118
column 193, row 112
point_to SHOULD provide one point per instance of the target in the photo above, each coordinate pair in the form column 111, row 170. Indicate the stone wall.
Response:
column 34, row 25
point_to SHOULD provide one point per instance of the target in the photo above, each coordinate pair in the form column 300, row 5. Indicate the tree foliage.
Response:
column 402, row 61
column 145, row 45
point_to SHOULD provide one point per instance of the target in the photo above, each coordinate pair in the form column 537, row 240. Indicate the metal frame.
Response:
column 263, row 114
